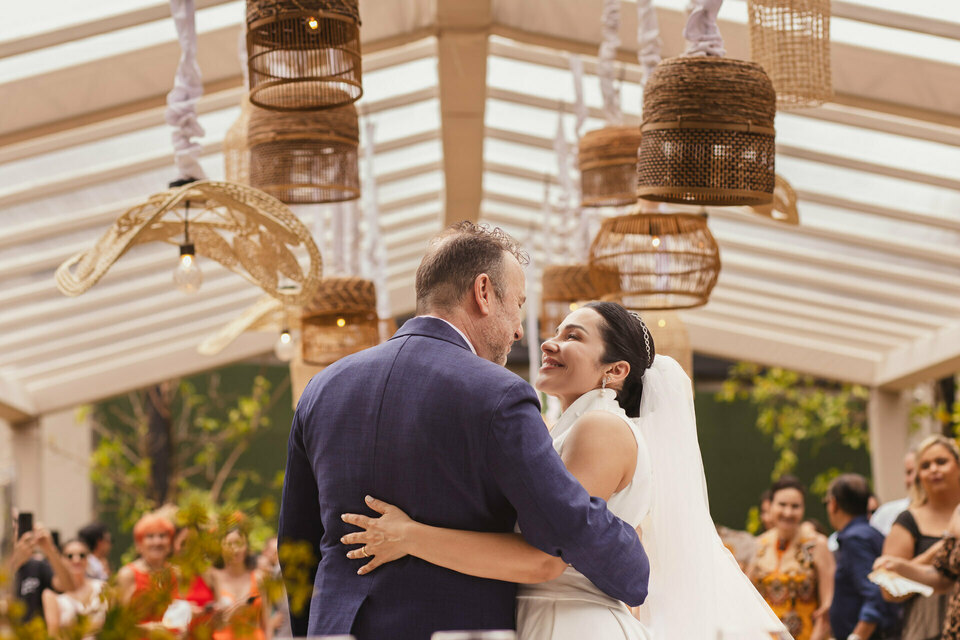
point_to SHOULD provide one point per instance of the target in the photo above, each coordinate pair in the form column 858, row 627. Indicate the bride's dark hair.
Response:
column 625, row 337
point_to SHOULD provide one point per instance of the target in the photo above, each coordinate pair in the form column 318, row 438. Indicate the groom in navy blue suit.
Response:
column 432, row 422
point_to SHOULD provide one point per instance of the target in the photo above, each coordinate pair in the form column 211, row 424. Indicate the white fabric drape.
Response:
column 649, row 44
column 182, row 100
column 701, row 30
column 608, row 52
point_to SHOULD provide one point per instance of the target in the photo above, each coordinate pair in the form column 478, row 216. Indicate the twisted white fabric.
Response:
column 579, row 106
column 697, row 588
column 702, row 31
column 568, row 193
column 648, row 38
column 182, row 100
column 608, row 52
column 376, row 254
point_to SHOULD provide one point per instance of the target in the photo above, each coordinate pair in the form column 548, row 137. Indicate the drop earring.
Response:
column 603, row 383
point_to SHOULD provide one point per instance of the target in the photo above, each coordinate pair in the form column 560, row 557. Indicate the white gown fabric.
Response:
column 571, row 607
column 697, row 590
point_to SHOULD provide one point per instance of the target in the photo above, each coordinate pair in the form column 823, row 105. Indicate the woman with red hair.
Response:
column 148, row 584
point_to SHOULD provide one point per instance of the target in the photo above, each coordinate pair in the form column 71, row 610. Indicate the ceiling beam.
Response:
column 951, row 223
column 903, row 85
column 895, row 19
column 733, row 340
column 16, row 404
column 153, row 362
column 96, row 27
column 462, row 67
column 929, row 358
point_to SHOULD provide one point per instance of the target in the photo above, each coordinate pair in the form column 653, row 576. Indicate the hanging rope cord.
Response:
column 701, row 30
column 182, row 100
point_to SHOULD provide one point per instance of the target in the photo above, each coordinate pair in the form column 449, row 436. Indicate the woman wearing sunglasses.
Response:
column 84, row 603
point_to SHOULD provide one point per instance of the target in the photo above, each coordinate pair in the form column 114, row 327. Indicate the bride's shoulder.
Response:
column 603, row 428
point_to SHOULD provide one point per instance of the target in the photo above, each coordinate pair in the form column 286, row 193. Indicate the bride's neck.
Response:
column 566, row 401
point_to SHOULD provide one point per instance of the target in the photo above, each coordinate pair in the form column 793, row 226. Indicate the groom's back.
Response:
column 406, row 422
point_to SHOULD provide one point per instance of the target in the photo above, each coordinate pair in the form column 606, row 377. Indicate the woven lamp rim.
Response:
column 697, row 301
column 319, row 14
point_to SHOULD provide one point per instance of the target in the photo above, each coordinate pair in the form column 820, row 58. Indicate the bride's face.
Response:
column 571, row 363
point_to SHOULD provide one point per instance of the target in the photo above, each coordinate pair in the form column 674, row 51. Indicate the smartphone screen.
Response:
column 24, row 523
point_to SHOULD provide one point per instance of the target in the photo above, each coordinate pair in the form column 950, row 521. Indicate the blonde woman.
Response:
column 934, row 497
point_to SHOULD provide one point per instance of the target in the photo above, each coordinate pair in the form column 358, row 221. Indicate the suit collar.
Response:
column 432, row 328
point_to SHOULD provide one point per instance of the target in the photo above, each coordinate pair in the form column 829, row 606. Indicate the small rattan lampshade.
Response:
column 608, row 166
column 305, row 157
column 565, row 287
column 342, row 319
column 670, row 337
column 662, row 260
column 791, row 41
column 303, row 54
column 236, row 151
column 708, row 133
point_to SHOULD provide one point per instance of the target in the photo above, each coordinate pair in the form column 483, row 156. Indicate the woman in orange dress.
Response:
column 148, row 584
column 793, row 569
column 238, row 591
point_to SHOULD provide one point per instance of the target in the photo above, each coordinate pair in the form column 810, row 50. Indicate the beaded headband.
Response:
column 646, row 335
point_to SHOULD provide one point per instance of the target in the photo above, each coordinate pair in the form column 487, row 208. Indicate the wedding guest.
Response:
column 883, row 518
column 268, row 563
column 934, row 497
column 793, row 569
column 36, row 565
column 97, row 538
column 148, row 583
column 858, row 610
column 63, row 610
column 239, row 592
column 765, row 520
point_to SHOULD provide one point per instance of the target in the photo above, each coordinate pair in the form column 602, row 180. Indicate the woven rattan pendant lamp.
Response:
column 661, row 260
column 708, row 134
column 790, row 39
column 303, row 54
column 341, row 319
column 305, row 157
column 608, row 166
column 565, row 287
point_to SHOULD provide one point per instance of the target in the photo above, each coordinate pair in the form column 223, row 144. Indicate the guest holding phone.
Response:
column 64, row 610
column 36, row 565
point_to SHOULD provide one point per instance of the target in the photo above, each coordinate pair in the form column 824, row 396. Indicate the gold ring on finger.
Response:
column 363, row 552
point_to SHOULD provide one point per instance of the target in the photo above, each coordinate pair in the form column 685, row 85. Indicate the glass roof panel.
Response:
column 20, row 18
column 113, row 43
column 399, row 79
column 871, row 146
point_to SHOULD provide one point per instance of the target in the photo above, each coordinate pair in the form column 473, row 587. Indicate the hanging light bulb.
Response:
column 341, row 322
column 187, row 276
column 285, row 347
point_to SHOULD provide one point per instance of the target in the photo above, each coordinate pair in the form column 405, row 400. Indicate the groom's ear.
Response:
column 483, row 293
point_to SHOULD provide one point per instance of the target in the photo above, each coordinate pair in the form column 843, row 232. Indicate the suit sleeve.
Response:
column 555, row 513
column 299, row 514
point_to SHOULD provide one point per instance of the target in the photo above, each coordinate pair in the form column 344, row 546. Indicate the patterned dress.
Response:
column 787, row 580
column 947, row 562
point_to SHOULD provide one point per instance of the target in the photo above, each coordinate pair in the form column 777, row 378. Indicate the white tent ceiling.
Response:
column 465, row 97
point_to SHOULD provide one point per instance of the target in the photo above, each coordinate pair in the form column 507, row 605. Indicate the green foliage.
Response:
column 210, row 431
column 794, row 410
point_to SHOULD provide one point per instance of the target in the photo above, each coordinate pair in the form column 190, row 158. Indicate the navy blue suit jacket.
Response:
column 455, row 441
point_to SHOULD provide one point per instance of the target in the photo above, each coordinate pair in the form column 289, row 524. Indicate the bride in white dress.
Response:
column 628, row 434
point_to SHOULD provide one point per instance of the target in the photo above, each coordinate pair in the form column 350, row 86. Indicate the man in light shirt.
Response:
column 884, row 516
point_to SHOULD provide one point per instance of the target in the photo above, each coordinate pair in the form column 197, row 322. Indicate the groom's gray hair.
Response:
column 454, row 260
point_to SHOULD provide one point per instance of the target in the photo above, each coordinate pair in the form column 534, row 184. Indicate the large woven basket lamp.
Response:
column 670, row 337
column 708, row 134
column 791, row 41
column 661, row 260
column 566, row 287
column 303, row 54
column 608, row 166
column 341, row 319
column 305, row 157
